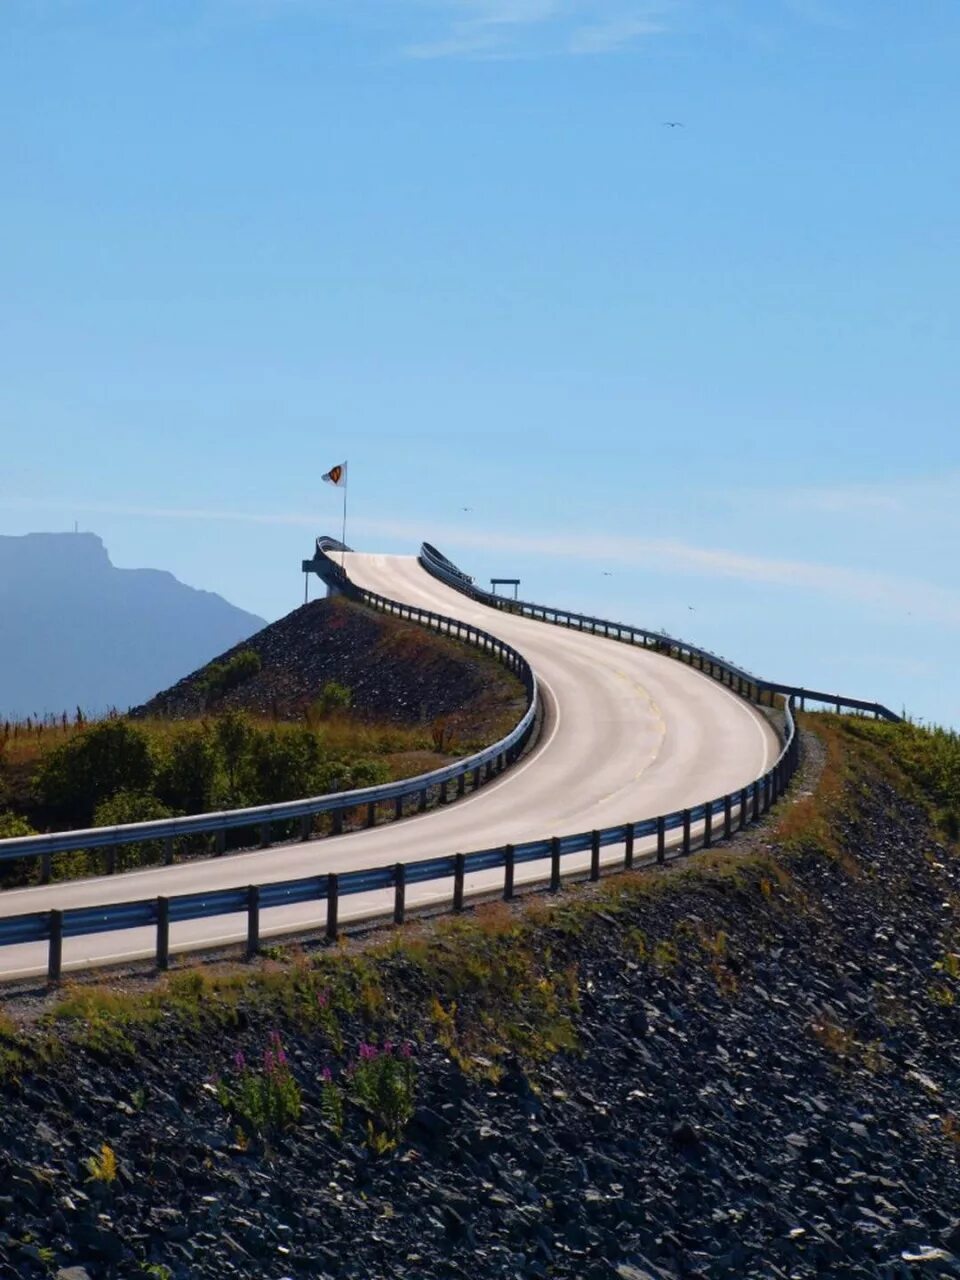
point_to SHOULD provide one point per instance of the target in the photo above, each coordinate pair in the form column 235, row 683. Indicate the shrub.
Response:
column 108, row 757
column 12, row 825
column 334, row 697
column 131, row 806
column 233, row 733
column 282, row 765
column 368, row 773
column 188, row 771
column 220, row 677
column 381, row 1083
column 263, row 1100
column 103, row 1167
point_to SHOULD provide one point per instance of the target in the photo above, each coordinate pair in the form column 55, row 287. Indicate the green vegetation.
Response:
column 220, row 677
column 117, row 771
column 929, row 758
column 264, row 1100
column 103, row 1167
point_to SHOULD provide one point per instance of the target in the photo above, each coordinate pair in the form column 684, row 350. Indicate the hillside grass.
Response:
column 501, row 984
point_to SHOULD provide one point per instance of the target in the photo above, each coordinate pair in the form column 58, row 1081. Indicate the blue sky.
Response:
column 453, row 241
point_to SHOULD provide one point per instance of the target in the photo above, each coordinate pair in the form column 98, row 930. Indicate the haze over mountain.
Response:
column 76, row 631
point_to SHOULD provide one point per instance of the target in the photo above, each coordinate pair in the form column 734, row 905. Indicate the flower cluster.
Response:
column 264, row 1101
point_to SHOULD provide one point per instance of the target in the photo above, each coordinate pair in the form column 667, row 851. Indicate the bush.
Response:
column 264, row 1100
column 334, row 697
column 220, row 677
column 131, row 806
column 233, row 733
column 187, row 774
column 282, row 766
column 12, row 826
column 381, row 1083
column 108, row 757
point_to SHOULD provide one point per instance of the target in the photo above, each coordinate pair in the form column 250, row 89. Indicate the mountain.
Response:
column 75, row 630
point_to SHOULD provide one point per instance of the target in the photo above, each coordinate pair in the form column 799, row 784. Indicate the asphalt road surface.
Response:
column 627, row 734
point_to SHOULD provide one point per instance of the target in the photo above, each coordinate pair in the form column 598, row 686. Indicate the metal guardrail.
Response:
column 482, row 764
column 714, row 818
column 734, row 810
column 741, row 681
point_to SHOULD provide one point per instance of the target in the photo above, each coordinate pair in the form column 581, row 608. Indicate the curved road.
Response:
column 627, row 734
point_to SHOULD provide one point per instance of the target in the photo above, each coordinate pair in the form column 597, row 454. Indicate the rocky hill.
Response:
column 78, row 631
column 747, row 1069
column 394, row 671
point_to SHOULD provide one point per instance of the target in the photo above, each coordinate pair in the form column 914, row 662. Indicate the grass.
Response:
column 504, row 984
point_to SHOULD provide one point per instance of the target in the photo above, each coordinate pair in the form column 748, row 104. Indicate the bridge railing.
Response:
column 671, row 835
column 475, row 769
column 741, row 681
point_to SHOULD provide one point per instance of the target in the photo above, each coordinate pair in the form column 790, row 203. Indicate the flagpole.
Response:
column 343, row 536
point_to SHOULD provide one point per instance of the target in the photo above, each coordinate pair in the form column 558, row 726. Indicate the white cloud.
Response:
column 607, row 37
column 503, row 28
column 925, row 601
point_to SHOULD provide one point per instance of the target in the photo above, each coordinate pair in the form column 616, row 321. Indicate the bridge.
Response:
column 634, row 748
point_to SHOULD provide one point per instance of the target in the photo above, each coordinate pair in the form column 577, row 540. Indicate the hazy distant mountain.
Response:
column 75, row 630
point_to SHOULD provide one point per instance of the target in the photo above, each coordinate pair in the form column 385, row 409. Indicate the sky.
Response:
column 704, row 377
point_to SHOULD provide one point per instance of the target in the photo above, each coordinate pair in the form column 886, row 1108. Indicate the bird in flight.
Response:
column 674, row 124
column 466, row 508
column 691, row 608
column 607, row 573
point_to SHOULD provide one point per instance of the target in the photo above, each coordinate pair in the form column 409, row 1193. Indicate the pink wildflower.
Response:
column 239, row 1061
column 406, row 1049
column 323, row 999
column 367, row 1052
column 326, row 1075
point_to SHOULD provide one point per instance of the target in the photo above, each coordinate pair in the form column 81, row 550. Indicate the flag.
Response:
column 337, row 475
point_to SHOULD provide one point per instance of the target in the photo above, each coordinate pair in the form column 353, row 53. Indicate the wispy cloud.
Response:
column 511, row 28
column 891, row 593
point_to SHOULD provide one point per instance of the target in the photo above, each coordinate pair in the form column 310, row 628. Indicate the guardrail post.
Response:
column 338, row 822
column 168, row 851
column 163, row 934
column 756, row 801
column 421, row 807
column 459, row 863
column 595, row 855
column 399, row 893
column 628, row 848
column 708, row 827
column 476, row 778
column 661, row 839
column 333, row 893
column 686, row 831
column 265, row 834
column 55, row 954
column 221, row 841
column 508, row 871
column 111, row 859
column 371, row 814
column 306, row 827
column 398, row 808
column 742, row 821
column 461, row 784
column 554, row 864
column 253, row 920
column 727, row 817
column 46, row 868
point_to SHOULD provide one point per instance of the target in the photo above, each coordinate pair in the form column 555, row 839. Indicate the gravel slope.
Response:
column 764, row 1085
